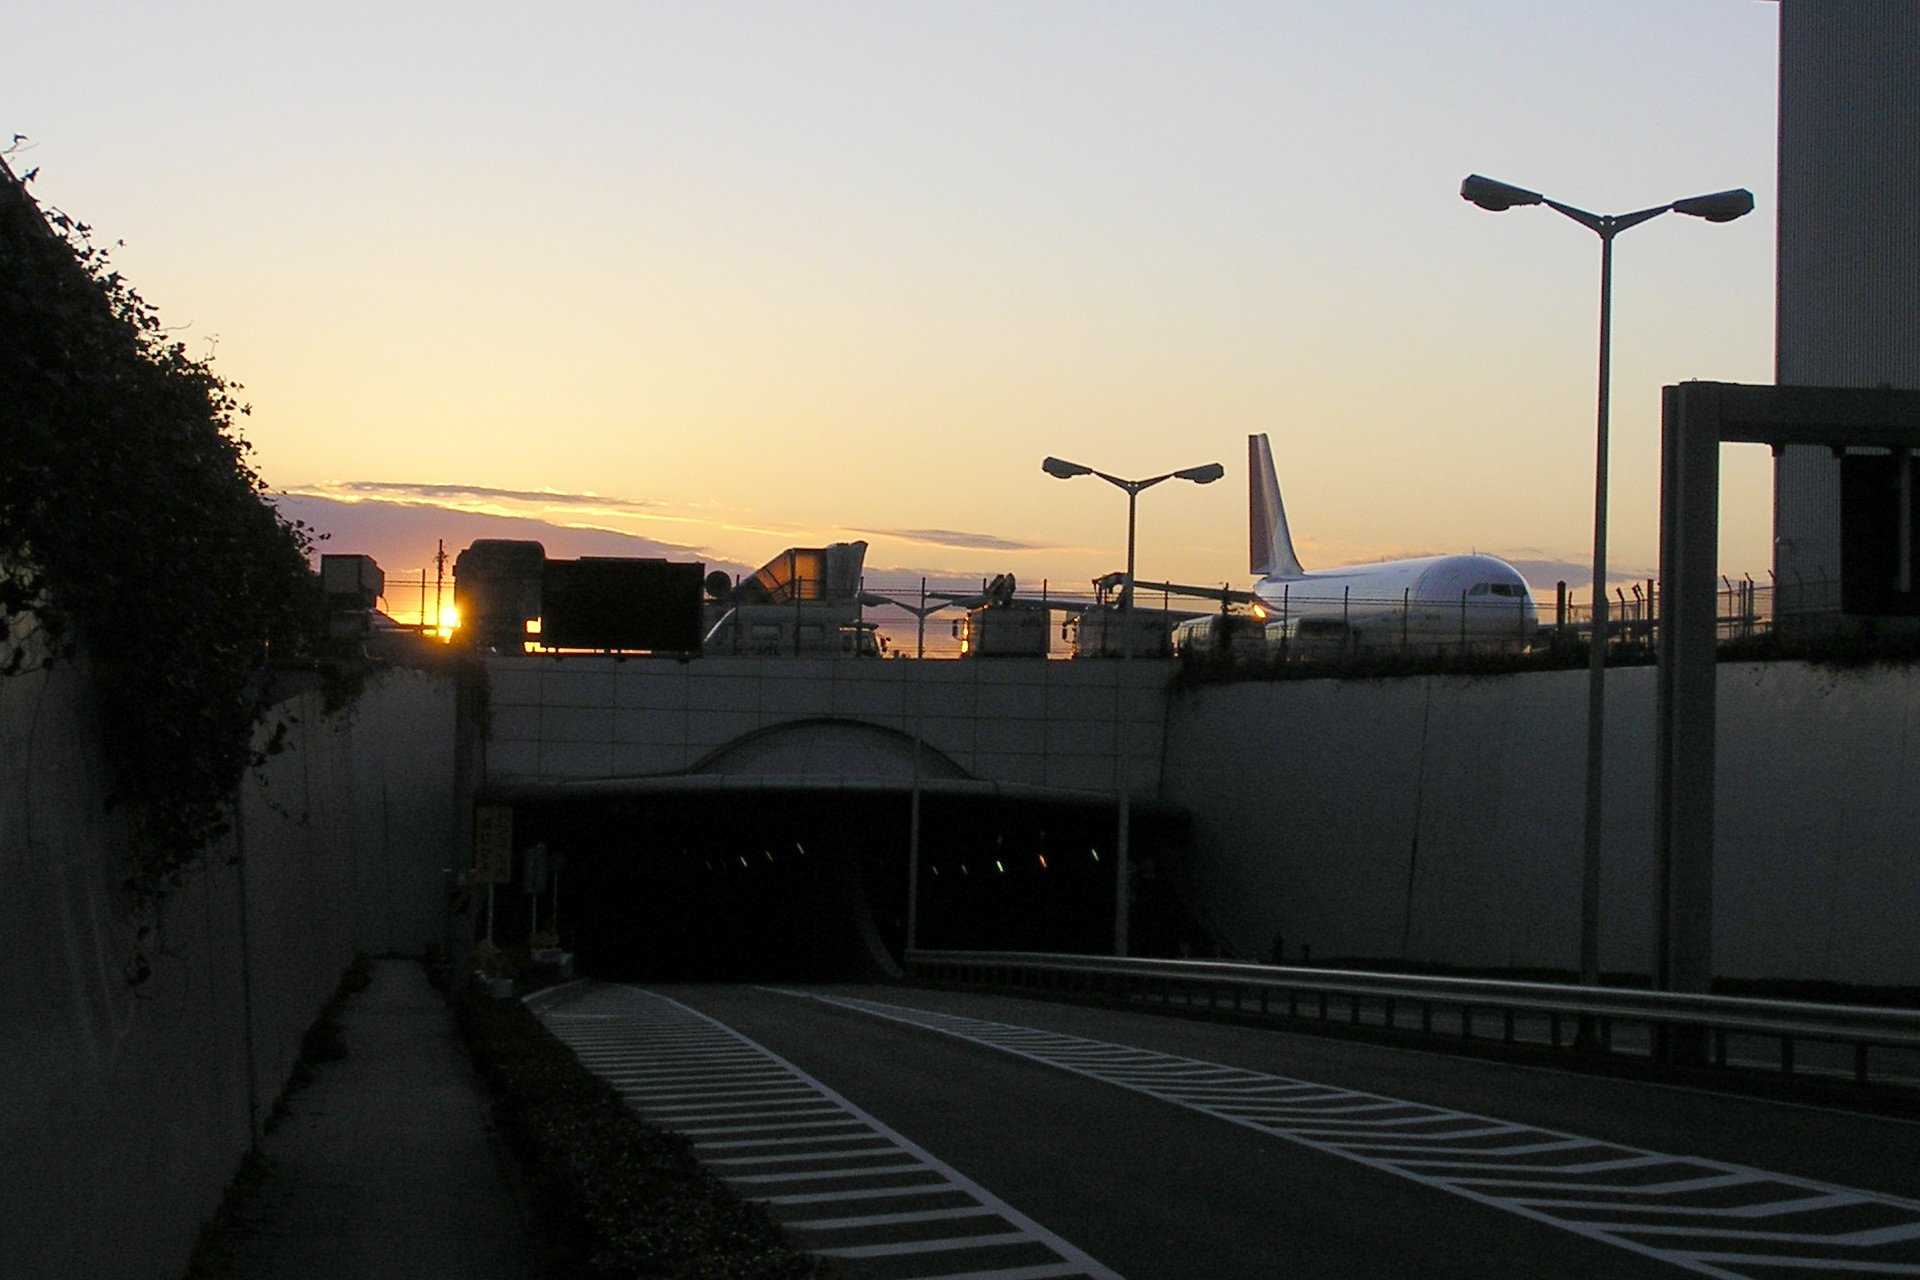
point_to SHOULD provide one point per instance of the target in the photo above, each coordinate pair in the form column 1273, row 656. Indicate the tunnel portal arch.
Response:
column 848, row 751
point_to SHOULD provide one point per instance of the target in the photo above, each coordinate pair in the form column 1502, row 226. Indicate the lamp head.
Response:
column 1202, row 475
column 1496, row 196
column 1060, row 469
column 1721, row 206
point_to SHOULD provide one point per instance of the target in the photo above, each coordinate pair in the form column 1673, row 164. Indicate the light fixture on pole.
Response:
column 1061, row 469
column 1719, row 206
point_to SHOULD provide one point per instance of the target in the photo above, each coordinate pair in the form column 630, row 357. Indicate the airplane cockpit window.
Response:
column 1481, row 588
column 1512, row 589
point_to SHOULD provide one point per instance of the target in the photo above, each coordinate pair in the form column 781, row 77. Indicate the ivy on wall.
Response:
column 132, row 526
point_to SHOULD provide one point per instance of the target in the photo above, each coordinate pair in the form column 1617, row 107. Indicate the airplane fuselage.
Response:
column 1472, row 601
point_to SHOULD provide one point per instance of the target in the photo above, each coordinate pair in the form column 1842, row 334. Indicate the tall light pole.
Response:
column 1122, row 872
column 913, row 804
column 1720, row 206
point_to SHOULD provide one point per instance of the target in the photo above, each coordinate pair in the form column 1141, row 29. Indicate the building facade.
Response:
column 1848, row 265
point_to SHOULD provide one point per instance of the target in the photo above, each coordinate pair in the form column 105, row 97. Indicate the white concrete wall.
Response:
column 406, row 810
column 1308, row 797
column 126, row 1107
column 1011, row 720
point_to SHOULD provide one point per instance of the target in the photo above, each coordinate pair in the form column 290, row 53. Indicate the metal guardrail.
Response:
column 1682, row 1026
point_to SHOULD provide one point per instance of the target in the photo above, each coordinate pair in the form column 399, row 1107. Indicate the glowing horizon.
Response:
column 742, row 277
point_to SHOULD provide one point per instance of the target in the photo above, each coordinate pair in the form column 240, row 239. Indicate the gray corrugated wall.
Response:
column 1847, row 311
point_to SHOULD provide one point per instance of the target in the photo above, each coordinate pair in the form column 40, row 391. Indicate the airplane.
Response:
column 1454, row 603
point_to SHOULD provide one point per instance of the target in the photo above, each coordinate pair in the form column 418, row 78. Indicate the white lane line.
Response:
column 737, row 1101
column 863, row 1193
column 825, row 1175
column 776, row 1128
column 1046, row 1271
column 890, row 1219
column 802, row 1157
column 1419, row 1157
column 778, row 1142
column 951, row 1244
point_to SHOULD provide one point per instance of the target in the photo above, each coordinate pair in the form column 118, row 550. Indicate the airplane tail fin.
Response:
column 1270, row 549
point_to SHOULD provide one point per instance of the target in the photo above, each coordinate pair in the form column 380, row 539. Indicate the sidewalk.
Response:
column 384, row 1168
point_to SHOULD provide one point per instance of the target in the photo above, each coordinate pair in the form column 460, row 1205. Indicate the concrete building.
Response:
column 1848, row 267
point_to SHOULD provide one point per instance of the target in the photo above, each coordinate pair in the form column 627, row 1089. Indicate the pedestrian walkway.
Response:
column 383, row 1167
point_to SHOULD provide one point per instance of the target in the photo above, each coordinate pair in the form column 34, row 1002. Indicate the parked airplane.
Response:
column 1450, row 602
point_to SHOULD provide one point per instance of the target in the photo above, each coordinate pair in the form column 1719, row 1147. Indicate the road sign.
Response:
column 493, row 844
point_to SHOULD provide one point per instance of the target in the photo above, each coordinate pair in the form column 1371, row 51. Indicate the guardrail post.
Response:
column 1386, row 1011
column 1426, row 1018
column 1786, row 1055
column 1719, row 1047
column 1323, row 1006
column 1263, row 999
column 1353, row 1010
column 1860, row 1063
column 1293, row 1003
column 1466, row 1022
column 1553, row 1029
column 1509, row 1026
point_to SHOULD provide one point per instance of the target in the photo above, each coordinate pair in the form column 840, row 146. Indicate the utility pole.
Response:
column 439, row 577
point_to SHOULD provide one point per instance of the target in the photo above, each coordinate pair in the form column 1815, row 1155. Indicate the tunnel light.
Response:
column 997, row 866
column 743, row 860
column 1095, row 853
column 1043, row 860
column 769, row 854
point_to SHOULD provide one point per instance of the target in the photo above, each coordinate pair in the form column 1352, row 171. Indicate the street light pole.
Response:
column 1123, row 798
column 1720, row 206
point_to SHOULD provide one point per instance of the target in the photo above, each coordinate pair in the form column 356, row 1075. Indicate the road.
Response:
column 915, row 1133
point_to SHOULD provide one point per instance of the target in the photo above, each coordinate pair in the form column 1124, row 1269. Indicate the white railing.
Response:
column 1680, row 1026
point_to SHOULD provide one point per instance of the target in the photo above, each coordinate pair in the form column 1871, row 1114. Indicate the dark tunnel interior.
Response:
column 768, row 884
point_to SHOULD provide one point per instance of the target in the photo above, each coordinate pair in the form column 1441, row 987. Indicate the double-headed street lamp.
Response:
column 1720, row 206
column 1060, row 469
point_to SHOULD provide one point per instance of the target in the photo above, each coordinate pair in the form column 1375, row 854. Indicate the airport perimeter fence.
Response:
column 1366, row 626
column 1357, row 626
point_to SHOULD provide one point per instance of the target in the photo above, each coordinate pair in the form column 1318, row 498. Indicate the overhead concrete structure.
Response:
column 1848, row 264
column 1017, row 726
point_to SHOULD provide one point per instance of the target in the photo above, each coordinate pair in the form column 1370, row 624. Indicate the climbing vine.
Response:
column 133, row 530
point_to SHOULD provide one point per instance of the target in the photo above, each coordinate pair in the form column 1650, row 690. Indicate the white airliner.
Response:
column 1436, row 602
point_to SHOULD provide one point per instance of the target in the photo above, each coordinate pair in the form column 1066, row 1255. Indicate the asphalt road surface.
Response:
column 923, row 1134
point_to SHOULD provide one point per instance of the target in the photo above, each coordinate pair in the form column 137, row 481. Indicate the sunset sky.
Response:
column 734, row 277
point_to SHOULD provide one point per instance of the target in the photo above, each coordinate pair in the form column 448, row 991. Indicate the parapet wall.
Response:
column 128, row 1107
column 1022, row 720
column 1439, row 819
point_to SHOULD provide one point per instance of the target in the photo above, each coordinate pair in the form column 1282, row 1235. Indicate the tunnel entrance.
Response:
column 785, row 856
column 813, row 885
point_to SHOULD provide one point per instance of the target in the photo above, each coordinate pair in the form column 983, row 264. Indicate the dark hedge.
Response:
column 133, row 529
column 614, row 1198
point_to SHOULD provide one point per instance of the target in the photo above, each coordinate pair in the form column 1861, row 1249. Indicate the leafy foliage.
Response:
column 131, row 523
column 617, row 1198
